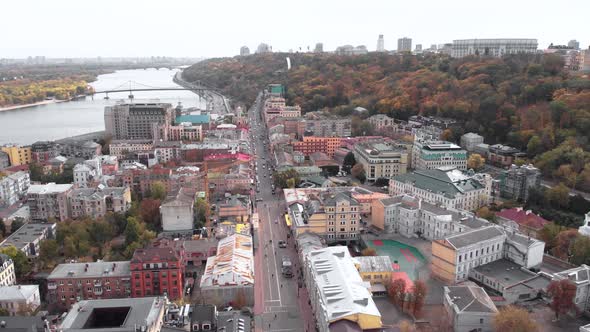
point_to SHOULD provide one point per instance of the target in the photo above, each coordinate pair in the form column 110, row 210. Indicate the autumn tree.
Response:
column 558, row 195
column 358, row 171
column 397, row 291
column 150, row 212
column 581, row 250
column 562, row 293
column 511, row 318
column 281, row 179
column 22, row 267
column 564, row 243
column 475, row 161
column 369, row 252
column 201, row 208
column 406, row 326
column 158, row 191
column 48, row 253
column 549, row 234
column 486, row 213
column 447, row 135
column 419, row 292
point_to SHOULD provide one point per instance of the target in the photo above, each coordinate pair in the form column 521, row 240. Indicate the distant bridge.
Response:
column 133, row 86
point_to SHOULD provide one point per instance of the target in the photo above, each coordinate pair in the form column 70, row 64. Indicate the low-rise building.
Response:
column 517, row 181
column 337, row 292
column 381, row 122
column 470, row 140
column 525, row 221
column 97, row 202
column 28, row 238
column 381, row 159
column 579, row 276
column 235, row 208
column 469, row 308
column 311, row 144
column 196, row 252
column 14, row 187
column 18, row 155
column 178, row 211
column 4, row 160
column 503, row 155
column 230, row 274
column 432, row 154
column 23, row 323
column 72, row 282
column 7, row 273
column 204, row 318
column 376, row 270
column 87, row 172
column 43, row 151
column 121, row 148
column 49, row 201
column 79, row 148
column 445, row 186
column 324, row 124
column 20, row 299
column 157, row 271
column 184, row 131
column 116, row 315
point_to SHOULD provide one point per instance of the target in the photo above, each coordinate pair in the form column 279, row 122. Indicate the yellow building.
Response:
column 374, row 269
column 19, row 155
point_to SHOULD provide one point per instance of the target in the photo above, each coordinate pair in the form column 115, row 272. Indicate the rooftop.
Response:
column 233, row 321
column 147, row 255
column 49, row 188
column 505, row 272
column 445, row 181
column 193, row 118
column 22, row 323
column 340, row 286
column 91, row 270
column 233, row 265
column 114, row 314
column 18, row 292
column 470, row 299
column 468, row 238
column 374, row 264
column 523, row 217
column 28, row 233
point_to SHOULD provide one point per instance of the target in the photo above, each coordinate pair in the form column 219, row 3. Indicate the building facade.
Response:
column 492, row 47
column 432, row 154
column 49, row 201
column 381, row 159
column 157, row 271
column 469, row 308
column 404, row 44
column 470, row 140
column 72, row 282
column 381, row 122
column 19, row 155
column 136, row 120
column 97, row 202
column 324, row 124
column 312, row 144
column 14, row 187
column 20, row 300
column 28, row 238
column 517, row 181
column 178, row 212
column 7, row 274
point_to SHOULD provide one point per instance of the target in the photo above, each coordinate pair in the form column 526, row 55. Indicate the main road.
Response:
column 277, row 302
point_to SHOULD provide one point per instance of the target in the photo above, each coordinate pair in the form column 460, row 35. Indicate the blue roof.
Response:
column 193, row 118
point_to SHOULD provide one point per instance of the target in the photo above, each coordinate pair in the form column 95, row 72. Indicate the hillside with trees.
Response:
column 526, row 101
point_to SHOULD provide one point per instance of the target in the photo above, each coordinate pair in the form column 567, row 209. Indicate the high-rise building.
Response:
column 319, row 48
column 492, row 47
column 574, row 44
column 244, row 50
column 380, row 44
column 404, row 44
column 418, row 47
column 136, row 120
column 263, row 48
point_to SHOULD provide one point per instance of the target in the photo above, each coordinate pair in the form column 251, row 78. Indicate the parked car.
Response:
column 282, row 244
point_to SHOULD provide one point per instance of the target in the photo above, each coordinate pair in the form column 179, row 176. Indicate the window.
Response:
column 481, row 320
column 195, row 327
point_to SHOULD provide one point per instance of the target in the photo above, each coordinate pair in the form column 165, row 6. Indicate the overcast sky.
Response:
column 195, row 28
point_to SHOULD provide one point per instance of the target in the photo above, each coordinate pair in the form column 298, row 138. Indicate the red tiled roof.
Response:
column 523, row 217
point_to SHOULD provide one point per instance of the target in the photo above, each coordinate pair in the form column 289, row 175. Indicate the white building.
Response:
column 469, row 308
column 585, row 228
column 431, row 154
column 337, row 291
column 492, row 47
column 14, row 187
column 446, row 187
column 20, row 299
column 381, row 159
column 470, row 140
column 580, row 276
column 7, row 274
column 85, row 173
column 381, row 121
column 178, row 212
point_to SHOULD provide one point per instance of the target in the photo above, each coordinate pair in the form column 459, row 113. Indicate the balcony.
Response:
column 97, row 284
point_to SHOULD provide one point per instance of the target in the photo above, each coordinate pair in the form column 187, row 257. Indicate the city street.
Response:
column 276, row 296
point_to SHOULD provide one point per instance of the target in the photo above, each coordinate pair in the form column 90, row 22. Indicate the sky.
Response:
column 215, row 28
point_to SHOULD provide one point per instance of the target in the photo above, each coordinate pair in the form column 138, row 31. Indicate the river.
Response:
column 60, row 120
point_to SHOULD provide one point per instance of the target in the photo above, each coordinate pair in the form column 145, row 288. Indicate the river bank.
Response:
column 43, row 102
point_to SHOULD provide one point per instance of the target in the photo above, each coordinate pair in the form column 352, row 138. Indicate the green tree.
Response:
column 201, row 208
column 349, row 162
column 17, row 223
column 158, row 191
column 48, row 253
column 581, row 250
column 132, row 230
column 70, row 248
column 549, row 233
column 22, row 266
column 558, row 195
column 358, row 171
column 281, row 179
column 534, row 146
column 2, row 228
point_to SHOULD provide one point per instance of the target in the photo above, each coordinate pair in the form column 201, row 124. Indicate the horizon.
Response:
column 78, row 30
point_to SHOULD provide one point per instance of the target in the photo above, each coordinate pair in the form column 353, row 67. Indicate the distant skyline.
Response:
column 188, row 28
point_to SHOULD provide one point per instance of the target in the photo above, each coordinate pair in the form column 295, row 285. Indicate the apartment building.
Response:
column 18, row 155
column 7, row 274
column 337, row 292
column 43, row 151
column 445, row 186
column 503, row 155
column 525, row 221
column 376, row 270
column 492, row 47
column 178, row 211
column 48, row 201
column 87, row 172
column 20, row 299
column 4, row 160
column 120, row 148
column 141, row 180
column 184, row 131
column 72, row 282
column 412, row 217
column 28, row 238
column 381, row 159
column 312, row 144
column 157, row 271
column 135, row 121
column 580, row 276
column 432, row 154
column 14, row 187
column 324, row 124
column 517, row 181
column 80, row 148
column 96, row 202
column 332, row 213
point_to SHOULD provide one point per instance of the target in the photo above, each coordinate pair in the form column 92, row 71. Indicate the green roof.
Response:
column 193, row 118
column 447, row 182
